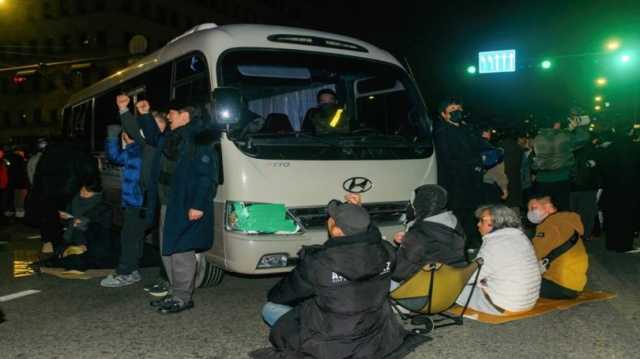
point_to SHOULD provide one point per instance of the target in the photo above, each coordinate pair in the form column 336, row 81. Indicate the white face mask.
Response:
column 535, row 216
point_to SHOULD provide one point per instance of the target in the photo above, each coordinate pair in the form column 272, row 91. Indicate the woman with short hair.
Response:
column 509, row 280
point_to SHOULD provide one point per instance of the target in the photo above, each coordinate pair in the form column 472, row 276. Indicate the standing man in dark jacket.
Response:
column 585, row 185
column 460, row 169
column 184, row 180
column 334, row 304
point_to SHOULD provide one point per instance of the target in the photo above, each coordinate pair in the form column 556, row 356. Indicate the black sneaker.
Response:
column 160, row 302
column 175, row 305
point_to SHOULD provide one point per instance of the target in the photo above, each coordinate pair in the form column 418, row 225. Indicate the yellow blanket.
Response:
column 542, row 307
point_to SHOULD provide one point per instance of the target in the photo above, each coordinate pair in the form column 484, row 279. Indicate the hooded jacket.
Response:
column 339, row 291
column 436, row 239
column 130, row 159
column 570, row 269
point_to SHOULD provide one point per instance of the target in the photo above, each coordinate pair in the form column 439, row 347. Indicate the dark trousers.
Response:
column 619, row 225
column 559, row 191
column 551, row 290
column 585, row 203
column 469, row 223
column 49, row 222
column 131, row 240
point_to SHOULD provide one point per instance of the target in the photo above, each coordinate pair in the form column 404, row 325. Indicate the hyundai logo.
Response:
column 357, row 185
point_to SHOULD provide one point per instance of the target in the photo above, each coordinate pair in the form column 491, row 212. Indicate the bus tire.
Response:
column 207, row 274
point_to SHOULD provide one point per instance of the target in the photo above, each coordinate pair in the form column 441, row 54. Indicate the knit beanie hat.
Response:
column 429, row 200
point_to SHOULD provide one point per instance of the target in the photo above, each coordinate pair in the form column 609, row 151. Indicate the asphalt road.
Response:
column 79, row 319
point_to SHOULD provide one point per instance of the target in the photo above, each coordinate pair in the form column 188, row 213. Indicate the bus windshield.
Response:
column 325, row 107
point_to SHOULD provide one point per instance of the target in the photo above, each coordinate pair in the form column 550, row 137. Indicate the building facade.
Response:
column 53, row 33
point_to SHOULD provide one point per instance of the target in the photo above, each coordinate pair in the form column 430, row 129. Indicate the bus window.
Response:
column 106, row 113
column 191, row 79
column 81, row 120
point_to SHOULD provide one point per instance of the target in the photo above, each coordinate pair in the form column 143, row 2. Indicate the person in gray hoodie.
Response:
column 433, row 234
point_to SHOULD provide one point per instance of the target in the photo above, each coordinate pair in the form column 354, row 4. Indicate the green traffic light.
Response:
column 546, row 64
column 625, row 58
column 471, row 70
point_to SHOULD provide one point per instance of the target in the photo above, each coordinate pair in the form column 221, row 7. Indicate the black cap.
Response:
column 350, row 218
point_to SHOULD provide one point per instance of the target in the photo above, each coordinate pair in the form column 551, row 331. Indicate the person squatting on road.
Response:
column 184, row 181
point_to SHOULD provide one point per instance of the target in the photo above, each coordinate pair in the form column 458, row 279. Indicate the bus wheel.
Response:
column 207, row 274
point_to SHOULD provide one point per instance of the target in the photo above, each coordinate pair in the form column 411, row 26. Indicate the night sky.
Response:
column 440, row 39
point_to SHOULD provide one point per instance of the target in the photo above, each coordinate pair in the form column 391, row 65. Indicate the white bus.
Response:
column 276, row 179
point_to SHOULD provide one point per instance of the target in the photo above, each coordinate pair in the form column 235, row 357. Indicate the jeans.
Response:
column 271, row 312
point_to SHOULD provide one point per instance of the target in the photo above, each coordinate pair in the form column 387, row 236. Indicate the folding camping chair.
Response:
column 433, row 290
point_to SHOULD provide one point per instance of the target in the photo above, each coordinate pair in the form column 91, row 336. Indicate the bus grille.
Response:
column 387, row 213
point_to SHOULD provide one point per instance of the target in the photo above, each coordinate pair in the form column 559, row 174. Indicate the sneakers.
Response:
column 121, row 280
column 159, row 289
column 47, row 248
column 174, row 305
column 19, row 213
column 160, row 302
column 9, row 213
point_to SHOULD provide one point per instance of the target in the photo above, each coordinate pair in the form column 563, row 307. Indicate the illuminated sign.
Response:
column 490, row 62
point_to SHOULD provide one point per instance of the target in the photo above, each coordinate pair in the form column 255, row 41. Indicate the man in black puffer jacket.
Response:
column 433, row 234
column 334, row 303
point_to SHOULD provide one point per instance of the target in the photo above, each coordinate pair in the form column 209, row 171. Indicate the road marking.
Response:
column 35, row 236
column 13, row 296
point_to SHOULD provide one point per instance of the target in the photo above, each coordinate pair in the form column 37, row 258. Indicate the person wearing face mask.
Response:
column 559, row 246
column 459, row 151
column 433, row 234
column 509, row 280
column 322, row 118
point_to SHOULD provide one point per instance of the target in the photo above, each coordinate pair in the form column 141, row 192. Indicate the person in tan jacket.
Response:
column 566, row 275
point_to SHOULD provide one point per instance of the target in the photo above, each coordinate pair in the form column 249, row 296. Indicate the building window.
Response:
column 65, row 42
column 101, row 40
column 33, row 47
column 47, row 11
column 81, row 7
column 53, row 116
column 99, row 5
column 83, row 40
column 49, row 45
column 126, row 5
column 37, row 116
column 64, row 7
column 6, row 118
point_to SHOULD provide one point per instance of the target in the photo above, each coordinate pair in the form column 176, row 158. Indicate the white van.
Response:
column 278, row 171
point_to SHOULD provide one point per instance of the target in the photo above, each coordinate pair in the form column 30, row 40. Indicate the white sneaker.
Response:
column 120, row 280
column 20, row 214
column 8, row 213
column 47, row 248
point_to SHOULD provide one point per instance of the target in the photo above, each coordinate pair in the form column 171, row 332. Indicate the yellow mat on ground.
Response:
column 72, row 274
column 542, row 307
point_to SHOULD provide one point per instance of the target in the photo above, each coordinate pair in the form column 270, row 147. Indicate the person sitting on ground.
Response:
column 334, row 303
column 558, row 238
column 433, row 234
column 87, row 235
column 509, row 279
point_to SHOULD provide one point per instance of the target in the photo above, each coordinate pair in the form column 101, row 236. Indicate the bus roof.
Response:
column 214, row 40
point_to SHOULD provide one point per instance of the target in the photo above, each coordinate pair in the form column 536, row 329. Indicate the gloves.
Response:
column 113, row 131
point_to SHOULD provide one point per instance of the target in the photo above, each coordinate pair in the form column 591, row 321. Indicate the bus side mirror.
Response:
column 227, row 105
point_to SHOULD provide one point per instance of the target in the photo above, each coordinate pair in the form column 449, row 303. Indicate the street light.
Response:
column 598, row 98
column 598, row 108
column 625, row 58
column 471, row 70
column 613, row 45
column 601, row 81
column 546, row 64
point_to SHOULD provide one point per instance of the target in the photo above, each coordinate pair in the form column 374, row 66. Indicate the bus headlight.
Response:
column 277, row 260
column 260, row 218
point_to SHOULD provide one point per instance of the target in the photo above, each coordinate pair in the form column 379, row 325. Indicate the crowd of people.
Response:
column 525, row 203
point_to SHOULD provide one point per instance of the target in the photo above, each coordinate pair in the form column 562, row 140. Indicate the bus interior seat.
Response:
column 277, row 123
